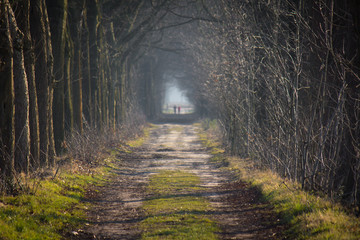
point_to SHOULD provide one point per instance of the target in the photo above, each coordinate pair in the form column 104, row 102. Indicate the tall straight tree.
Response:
column 76, row 17
column 39, row 32
column 69, row 74
column 7, row 110
column 50, row 67
column 92, row 22
column 23, row 12
column 58, row 22
column 85, row 67
column 22, row 131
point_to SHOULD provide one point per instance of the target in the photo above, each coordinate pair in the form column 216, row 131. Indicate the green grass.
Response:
column 168, row 182
column 175, row 208
column 55, row 207
column 208, row 137
column 308, row 216
column 175, row 129
column 138, row 141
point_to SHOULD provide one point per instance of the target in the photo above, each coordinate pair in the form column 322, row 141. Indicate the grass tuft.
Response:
column 176, row 209
column 139, row 140
column 55, row 207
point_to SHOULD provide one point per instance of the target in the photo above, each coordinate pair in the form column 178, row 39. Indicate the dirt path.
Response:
column 117, row 208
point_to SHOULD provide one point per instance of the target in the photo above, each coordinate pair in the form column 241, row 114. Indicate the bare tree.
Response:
column 7, row 96
column 22, row 130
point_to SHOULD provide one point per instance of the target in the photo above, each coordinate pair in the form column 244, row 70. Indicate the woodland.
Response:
column 280, row 76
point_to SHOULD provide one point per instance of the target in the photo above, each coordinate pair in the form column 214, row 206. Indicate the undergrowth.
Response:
column 50, row 203
column 308, row 216
column 54, row 208
column 139, row 140
column 175, row 208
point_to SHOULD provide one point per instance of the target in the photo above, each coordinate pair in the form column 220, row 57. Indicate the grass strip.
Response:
column 309, row 216
column 139, row 140
column 51, row 207
column 46, row 212
column 176, row 209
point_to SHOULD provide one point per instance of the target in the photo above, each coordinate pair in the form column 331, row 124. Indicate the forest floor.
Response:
column 118, row 210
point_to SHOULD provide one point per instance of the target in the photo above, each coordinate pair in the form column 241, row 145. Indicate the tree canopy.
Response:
column 281, row 76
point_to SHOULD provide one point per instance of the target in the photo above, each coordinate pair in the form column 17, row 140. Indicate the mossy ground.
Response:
column 49, row 208
column 176, row 209
column 46, row 212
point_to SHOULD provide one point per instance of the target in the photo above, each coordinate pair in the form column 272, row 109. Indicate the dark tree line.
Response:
column 281, row 76
column 284, row 77
column 66, row 66
column 80, row 68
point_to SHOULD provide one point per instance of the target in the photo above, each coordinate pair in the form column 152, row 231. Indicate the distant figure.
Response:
column 179, row 110
column 174, row 109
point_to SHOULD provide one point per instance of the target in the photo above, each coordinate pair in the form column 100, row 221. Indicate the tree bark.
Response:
column 58, row 18
column 93, row 21
column 7, row 95
column 22, row 131
column 86, row 72
column 50, row 67
column 77, row 12
column 38, row 32
column 29, row 58
column 68, row 77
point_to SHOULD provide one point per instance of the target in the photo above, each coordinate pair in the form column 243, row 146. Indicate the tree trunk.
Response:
column 7, row 110
column 112, row 75
column 86, row 73
column 76, row 17
column 42, row 65
column 29, row 58
column 77, row 86
column 92, row 21
column 58, row 18
column 22, row 132
column 68, row 95
column 50, row 67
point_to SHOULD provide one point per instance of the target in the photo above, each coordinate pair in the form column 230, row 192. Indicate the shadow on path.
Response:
column 236, row 206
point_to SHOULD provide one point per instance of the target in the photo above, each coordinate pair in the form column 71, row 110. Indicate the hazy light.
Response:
column 174, row 95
